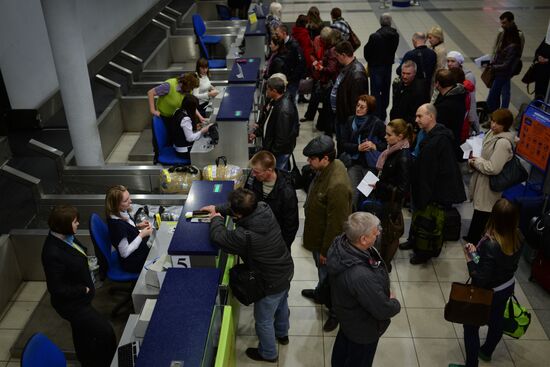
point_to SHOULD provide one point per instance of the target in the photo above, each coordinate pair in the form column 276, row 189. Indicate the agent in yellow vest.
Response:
column 170, row 94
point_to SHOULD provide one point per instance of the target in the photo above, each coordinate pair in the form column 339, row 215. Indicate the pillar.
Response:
column 69, row 56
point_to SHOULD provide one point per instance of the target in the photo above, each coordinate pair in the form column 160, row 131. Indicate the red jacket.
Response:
column 301, row 34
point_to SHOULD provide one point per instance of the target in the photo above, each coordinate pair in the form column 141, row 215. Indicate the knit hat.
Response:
column 436, row 31
column 457, row 56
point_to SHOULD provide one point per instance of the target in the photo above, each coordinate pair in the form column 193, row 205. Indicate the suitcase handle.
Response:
column 223, row 159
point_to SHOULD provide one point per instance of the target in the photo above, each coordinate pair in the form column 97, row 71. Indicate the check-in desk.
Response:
column 180, row 327
column 254, row 36
column 245, row 73
column 233, row 119
column 190, row 246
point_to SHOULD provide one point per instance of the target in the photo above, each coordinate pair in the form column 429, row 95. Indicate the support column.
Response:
column 69, row 57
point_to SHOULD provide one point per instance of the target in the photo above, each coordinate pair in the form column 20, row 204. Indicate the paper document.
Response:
column 475, row 144
column 369, row 179
column 482, row 60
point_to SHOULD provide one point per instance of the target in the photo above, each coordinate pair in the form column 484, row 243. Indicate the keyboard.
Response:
column 127, row 354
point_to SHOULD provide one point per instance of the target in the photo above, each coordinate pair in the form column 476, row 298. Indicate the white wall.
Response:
column 25, row 55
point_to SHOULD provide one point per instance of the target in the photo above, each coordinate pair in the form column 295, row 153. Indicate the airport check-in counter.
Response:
column 255, row 38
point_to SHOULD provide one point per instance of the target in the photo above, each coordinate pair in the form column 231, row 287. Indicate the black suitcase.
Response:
column 453, row 222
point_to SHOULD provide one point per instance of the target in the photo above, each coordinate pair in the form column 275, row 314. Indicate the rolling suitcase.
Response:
column 453, row 222
column 540, row 271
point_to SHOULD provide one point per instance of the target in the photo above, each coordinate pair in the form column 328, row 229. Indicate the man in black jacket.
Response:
column 424, row 58
column 436, row 185
column 408, row 95
column 274, row 187
column 349, row 85
column 450, row 105
column 296, row 61
column 257, row 238
column 281, row 125
column 380, row 54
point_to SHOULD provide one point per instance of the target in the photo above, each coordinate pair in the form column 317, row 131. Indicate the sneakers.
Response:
column 331, row 324
column 310, row 293
column 283, row 340
column 254, row 354
column 407, row 245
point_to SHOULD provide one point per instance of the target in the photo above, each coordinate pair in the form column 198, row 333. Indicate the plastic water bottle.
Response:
column 474, row 255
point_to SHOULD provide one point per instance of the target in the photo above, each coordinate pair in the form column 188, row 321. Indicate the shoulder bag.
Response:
column 469, row 305
column 246, row 283
column 512, row 174
column 516, row 318
column 296, row 176
column 529, row 77
column 488, row 76
column 372, row 155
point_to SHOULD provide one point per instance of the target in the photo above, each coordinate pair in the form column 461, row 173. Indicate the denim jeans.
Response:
column 322, row 273
column 500, row 87
column 314, row 101
column 271, row 320
column 347, row 353
column 494, row 334
column 282, row 161
column 380, row 78
column 292, row 90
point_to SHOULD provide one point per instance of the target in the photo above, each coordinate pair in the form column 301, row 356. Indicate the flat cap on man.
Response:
column 318, row 146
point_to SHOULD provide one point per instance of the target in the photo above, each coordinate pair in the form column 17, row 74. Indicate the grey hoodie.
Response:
column 360, row 291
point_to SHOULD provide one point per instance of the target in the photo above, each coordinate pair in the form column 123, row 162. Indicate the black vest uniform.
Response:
column 177, row 135
column 119, row 229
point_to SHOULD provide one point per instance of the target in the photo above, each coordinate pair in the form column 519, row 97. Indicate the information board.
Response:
column 534, row 136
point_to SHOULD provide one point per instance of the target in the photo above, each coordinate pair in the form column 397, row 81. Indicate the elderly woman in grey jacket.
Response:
column 498, row 148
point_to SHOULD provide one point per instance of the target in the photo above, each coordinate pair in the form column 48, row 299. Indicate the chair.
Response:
column 200, row 31
column 102, row 246
column 42, row 352
column 224, row 13
column 165, row 154
column 212, row 63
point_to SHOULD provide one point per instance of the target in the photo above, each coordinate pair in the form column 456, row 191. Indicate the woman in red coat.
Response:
column 301, row 34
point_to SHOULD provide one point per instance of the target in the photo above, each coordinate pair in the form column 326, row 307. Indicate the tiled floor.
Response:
column 419, row 335
column 16, row 315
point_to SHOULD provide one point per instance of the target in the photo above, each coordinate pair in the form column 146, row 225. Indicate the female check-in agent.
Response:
column 128, row 238
column 72, row 289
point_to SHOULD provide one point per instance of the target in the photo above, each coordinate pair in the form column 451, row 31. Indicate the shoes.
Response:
column 303, row 100
column 483, row 356
column 407, row 245
column 304, row 119
column 417, row 260
column 331, row 324
column 283, row 340
column 254, row 354
column 310, row 293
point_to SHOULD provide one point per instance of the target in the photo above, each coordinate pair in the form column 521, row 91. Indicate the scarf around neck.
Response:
column 401, row 144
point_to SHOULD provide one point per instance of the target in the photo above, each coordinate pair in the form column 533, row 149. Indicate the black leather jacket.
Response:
column 395, row 175
column 494, row 267
column 282, row 129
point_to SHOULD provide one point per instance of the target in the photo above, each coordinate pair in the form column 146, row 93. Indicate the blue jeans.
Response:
column 322, row 273
column 494, row 334
column 292, row 90
column 347, row 353
column 380, row 78
column 271, row 316
column 282, row 162
column 500, row 87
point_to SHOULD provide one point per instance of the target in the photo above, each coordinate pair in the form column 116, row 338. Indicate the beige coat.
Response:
column 441, row 53
column 494, row 156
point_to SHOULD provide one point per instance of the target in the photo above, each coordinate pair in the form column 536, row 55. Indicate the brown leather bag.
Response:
column 468, row 304
column 488, row 76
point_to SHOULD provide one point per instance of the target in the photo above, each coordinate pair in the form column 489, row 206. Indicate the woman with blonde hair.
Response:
column 128, row 238
column 499, row 252
column 436, row 40
column 394, row 166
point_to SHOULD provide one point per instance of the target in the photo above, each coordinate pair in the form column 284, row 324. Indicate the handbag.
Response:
column 488, row 76
column 245, row 283
column 393, row 225
column 468, row 304
column 516, row 318
column 305, row 86
column 512, row 174
column 529, row 76
column 372, row 155
column 296, row 176
column 354, row 40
